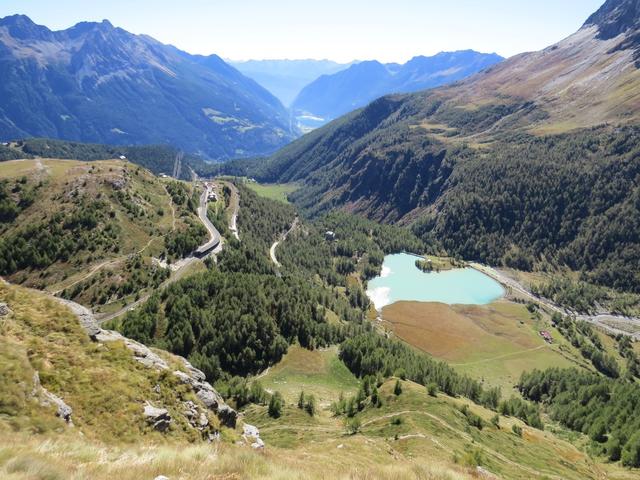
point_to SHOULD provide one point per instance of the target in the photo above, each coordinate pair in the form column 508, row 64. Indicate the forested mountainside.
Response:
column 89, row 230
column 247, row 314
column 97, row 83
column 525, row 163
column 335, row 94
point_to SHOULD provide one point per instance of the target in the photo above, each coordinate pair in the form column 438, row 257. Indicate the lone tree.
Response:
column 397, row 389
column 301, row 400
column 275, row 405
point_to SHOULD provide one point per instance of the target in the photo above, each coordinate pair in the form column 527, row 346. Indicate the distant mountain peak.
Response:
column 22, row 27
column 17, row 19
column 616, row 17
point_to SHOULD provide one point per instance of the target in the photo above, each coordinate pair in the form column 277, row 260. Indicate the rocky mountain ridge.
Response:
column 98, row 83
column 333, row 95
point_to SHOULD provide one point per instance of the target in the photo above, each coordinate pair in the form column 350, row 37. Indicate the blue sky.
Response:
column 387, row 30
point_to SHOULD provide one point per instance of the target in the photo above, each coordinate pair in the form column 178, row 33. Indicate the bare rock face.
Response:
column 4, row 309
column 194, row 416
column 227, row 415
column 85, row 317
column 251, row 435
column 158, row 417
column 616, row 17
column 141, row 353
column 118, row 183
column 207, row 394
column 48, row 399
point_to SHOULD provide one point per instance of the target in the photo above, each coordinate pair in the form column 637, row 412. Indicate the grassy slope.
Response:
column 102, row 383
column 433, row 438
column 317, row 372
column 274, row 191
column 64, row 458
column 431, row 431
column 106, row 389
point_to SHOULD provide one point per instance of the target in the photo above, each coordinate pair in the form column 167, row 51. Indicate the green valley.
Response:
column 439, row 285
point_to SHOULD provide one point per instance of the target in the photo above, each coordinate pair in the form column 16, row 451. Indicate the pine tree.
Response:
column 397, row 389
column 275, row 405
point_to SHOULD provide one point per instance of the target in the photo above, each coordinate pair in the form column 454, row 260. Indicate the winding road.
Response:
column 599, row 320
column 283, row 237
column 215, row 239
column 213, row 245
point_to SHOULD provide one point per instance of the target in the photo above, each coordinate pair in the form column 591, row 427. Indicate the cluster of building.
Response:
column 212, row 196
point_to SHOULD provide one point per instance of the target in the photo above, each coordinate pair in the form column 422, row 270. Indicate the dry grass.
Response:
column 69, row 457
column 495, row 342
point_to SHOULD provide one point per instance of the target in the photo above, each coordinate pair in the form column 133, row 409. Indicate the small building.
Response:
column 547, row 336
column 122, row 157
column 329, row 235
column 164, row 175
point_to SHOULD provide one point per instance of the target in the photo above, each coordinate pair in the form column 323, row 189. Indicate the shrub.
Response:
column 353, row 425
column 495, row 420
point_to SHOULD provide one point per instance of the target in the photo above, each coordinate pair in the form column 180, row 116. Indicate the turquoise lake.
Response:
column 402, row 280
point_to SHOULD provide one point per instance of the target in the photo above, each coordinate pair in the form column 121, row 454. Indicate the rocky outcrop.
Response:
column 158, row 417
column 251, row 435
column 191, row 376
column 48, row 399
column 118, row 183
column 85, row 317
column 141, row 353
column 194, row 416
column 4, row 309
column 207, row 394
column 616, row 17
